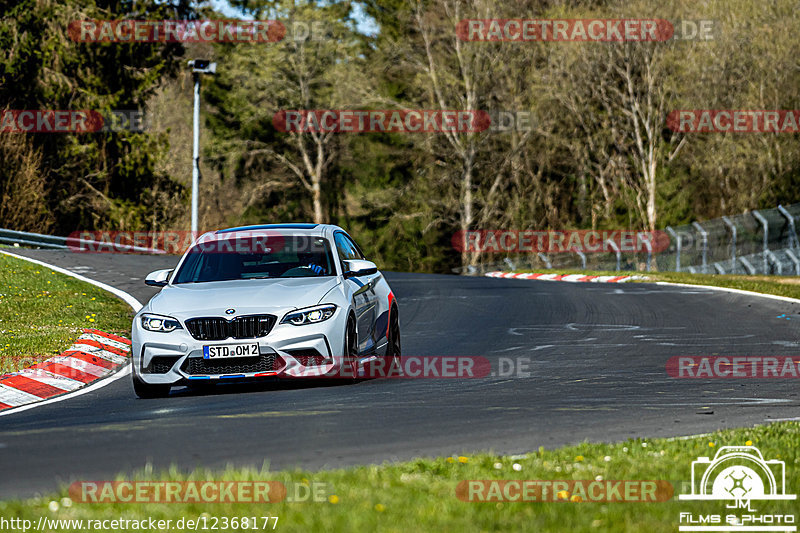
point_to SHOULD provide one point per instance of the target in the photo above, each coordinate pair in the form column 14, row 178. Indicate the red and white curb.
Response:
column 574, row 278
column 93, row 356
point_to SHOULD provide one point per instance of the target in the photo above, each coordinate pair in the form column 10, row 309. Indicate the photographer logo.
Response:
column 738, row 475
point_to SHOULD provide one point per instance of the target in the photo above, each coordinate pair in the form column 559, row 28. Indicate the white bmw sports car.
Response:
column 279, row 300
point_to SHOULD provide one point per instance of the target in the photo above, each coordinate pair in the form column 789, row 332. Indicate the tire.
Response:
column 350, row 351
column 146, row 390
column 393, row 349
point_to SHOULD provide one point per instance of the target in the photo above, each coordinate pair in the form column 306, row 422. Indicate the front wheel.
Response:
column 349, row 369
column 393, row 350
column 146, row 390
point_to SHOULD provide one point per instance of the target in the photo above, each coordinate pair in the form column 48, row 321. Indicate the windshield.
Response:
column 235, row 259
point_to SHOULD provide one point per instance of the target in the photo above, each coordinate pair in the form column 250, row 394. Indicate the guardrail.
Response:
column 32, row 239
column 763, row 241
column 24, row 238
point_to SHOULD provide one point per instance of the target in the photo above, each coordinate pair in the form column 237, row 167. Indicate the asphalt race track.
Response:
column 597, row 360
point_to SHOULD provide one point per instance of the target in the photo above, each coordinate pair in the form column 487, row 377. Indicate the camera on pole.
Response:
column 203, row 66
column 199, row 66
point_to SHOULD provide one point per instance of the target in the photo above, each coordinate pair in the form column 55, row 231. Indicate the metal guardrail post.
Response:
column 775, row 262
column 732, row 227
column 704, row 235
column 649, row 247
column 758, row 216
column 510, row 264
column 750, row 268
column 793, row 242
column 794, row 260
column 582, row 256
column 614, row 247
column 545, row 259
column 677, row 248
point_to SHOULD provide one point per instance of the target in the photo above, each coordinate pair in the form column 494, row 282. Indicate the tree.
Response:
column 302, row 72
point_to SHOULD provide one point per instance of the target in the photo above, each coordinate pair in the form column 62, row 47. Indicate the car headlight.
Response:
column 163, row 324
column 310, row 315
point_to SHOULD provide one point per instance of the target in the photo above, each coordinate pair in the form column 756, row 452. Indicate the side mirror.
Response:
column 359, row 267
column 159, row 278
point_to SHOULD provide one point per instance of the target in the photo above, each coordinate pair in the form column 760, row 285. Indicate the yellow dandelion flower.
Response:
column 333, row 498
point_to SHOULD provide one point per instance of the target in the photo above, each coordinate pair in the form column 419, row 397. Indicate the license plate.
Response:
column 230, row 350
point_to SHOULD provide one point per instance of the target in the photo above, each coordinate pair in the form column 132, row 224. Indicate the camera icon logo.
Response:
column 738, row 473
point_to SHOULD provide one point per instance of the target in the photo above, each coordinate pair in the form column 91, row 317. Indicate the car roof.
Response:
column 268, row 227
column 317, row 230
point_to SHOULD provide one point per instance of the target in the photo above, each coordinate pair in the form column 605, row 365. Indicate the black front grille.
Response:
column 160, row 365
column 197, row 366
column 243, row 327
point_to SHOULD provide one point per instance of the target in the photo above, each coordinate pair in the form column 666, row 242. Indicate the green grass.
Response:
column 778, row 285
column 419, row 495
column 42, row 312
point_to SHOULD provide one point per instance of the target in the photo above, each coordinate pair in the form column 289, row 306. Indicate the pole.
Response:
column 758, row 216
column 195, row 153
column 677, row 248
column 732, row 226
column 704, row 235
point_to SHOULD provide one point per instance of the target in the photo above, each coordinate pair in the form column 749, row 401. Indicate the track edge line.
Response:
column 129, row 299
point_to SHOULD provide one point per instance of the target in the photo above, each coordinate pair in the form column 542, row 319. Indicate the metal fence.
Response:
column 759, row 242
column 38, row 240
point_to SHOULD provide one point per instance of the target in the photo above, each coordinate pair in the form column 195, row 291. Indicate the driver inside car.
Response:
column 306, row 259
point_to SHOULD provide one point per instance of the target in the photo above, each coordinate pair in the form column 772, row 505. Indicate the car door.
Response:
column 364, row 296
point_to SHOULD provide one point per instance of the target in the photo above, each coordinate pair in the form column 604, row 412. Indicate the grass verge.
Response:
column 42, row 312
column 420, row 495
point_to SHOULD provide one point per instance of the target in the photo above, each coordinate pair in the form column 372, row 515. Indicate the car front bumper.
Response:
column 176, row 357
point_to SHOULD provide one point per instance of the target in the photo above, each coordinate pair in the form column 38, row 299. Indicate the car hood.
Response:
column 244, row 296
